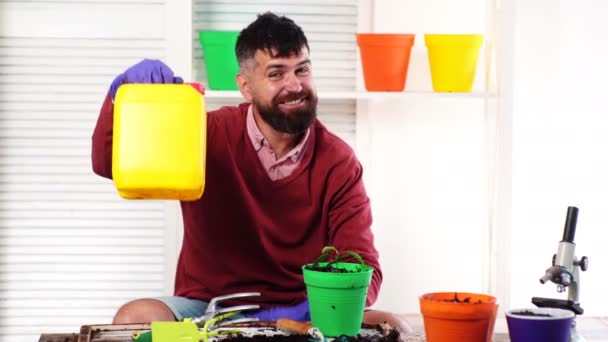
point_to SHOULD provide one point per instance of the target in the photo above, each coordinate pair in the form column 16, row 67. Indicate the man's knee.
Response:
column 143, row 311
column 394, row 320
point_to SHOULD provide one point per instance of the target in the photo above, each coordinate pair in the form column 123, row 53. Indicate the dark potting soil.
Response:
column 456, row 300
column 328, row 268
column 530, row 313
column 390, row 336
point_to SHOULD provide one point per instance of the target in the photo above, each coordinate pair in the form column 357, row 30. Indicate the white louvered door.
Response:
column 71, row 251
column 330, row 27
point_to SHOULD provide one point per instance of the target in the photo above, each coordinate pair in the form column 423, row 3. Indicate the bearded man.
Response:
column 279, row 187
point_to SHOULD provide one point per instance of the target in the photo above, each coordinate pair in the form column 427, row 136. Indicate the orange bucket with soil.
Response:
column 458, row 316
column 385, row 59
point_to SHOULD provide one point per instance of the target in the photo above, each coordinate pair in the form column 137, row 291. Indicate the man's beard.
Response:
column 292, row 122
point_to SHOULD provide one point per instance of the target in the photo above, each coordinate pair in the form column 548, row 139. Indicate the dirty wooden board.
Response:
column 110, row 333
column 58, row 338
column 123, row 333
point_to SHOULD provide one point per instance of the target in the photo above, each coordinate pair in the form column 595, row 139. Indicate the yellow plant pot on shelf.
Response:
column 159, row 141
column 453, row 60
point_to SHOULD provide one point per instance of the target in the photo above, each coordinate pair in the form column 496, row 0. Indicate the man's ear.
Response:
column 243, row 83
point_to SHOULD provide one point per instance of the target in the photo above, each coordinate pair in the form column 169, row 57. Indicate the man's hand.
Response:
column 298, row 312
column 146, row 71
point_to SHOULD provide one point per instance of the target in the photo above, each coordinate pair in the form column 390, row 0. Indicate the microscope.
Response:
column 564, row 272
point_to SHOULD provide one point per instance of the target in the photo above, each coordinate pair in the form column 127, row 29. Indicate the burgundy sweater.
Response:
column 248, row 233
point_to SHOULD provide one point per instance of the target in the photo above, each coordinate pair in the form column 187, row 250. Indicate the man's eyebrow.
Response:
column 282, row 65
column 306, row 61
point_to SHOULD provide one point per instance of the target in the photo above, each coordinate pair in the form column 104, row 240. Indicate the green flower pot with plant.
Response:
column 337, row 291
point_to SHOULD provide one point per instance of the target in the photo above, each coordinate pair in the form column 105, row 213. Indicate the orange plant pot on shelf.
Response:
column 458, row 316
column 385, row 60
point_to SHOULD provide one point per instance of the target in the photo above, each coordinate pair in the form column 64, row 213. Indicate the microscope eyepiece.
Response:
column 570, row 226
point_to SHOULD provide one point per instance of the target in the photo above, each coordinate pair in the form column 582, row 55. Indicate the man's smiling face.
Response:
column 282, row 91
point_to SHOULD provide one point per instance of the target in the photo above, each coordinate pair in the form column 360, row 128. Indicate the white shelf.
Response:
column 222, row 94
column 359, row 95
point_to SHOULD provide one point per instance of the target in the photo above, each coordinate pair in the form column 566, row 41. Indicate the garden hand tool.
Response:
column 199, row 328
column 213, row 310
column 184, row 331
column 300, row 328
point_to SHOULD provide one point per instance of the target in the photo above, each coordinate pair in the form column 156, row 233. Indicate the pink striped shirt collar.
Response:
column 276, row 169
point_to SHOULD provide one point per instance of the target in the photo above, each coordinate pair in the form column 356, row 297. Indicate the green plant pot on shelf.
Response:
column 220, row 58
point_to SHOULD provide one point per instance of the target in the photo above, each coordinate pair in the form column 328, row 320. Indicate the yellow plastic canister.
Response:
column 159, row 141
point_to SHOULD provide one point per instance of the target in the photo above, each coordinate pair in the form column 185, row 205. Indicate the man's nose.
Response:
column 293, row 84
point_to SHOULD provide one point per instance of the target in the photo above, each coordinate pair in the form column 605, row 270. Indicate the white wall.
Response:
column 427, row 171
column 426, row 161
column 430, row 16
column 549, row 142
column 559, row 143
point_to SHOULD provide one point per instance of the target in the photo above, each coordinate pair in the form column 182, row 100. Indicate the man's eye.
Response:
column 303, row 71
column 274, row 75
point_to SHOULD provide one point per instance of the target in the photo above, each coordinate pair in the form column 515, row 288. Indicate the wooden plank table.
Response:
column 593, row 329
column 123, row 333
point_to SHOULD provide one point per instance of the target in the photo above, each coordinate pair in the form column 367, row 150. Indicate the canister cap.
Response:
column 198, row 87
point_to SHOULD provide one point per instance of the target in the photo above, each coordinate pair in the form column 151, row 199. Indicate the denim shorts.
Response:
column 183, row 307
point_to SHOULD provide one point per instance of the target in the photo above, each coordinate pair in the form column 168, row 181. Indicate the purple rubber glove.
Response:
column 146, row 71
column 299, row 312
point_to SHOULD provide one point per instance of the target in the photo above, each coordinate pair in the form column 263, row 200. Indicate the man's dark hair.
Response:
column 278, row 36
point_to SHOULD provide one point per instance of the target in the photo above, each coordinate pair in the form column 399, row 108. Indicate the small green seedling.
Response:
column 331, row 256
